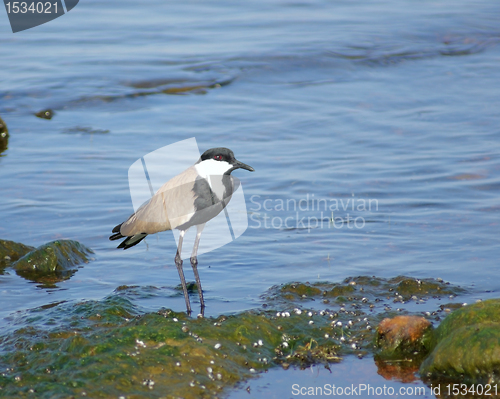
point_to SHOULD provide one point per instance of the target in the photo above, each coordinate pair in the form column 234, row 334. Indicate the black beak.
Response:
column 241, row 165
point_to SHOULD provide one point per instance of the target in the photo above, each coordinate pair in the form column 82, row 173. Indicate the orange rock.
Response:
column 401, row 331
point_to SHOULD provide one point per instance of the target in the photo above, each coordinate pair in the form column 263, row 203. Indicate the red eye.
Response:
column 218, row 157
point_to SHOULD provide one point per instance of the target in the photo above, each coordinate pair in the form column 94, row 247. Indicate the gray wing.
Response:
column 171, row 206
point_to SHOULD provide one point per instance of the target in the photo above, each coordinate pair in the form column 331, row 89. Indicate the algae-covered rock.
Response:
column 110, row 348
column 4, row 136
column 57, row 258
column 45, row 114
column 471, row 354
column 468, row 345
column 403, row 336
column 11, row 251
column 410, row 286
column 478, row 313
column 363, row 289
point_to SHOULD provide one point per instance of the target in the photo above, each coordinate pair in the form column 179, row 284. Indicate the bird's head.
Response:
column 221, row 161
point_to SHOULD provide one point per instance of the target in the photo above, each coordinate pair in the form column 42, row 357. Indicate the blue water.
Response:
column 394, row 103
column 350, row 378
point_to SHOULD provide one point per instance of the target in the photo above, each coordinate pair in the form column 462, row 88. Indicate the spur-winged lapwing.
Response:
column 189, row 199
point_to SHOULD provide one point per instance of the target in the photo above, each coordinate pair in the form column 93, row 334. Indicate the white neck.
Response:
column 211, row 167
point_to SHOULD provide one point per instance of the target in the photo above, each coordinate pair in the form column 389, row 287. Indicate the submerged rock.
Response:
column 84, row 130
column 45, row 114
column 156, row 87
column 11, row 251
column 468, row 346
column 4, row 136
column 364, row 290
column 54, row 259
column 402, row 336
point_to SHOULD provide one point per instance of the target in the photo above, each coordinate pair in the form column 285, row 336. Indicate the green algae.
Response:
column 109, row 348
column 478, row 313
column 11, row 251
column 471, row 354
column 373, row 289
column 467, row 345
column 52, row 262
column 59, row 255
column 55, row 258
column 110, row 351
column 408, row 287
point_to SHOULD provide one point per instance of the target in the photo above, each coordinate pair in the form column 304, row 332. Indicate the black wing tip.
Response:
column 131, row 241
column 116, row 229
column 116, row 236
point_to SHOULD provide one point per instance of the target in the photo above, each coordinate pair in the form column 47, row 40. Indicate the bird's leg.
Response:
column 194, row 264
column 178, row 263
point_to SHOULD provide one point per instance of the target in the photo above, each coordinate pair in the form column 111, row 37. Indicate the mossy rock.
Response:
column 57, row 258
column 478, row 313
column 468, row 345
column 11, row 251
column 364, row 289
column 408, row 287
column 404, row 337
column 4, row 136
column 470, row 354
column 300, row 290
column 111, row 348
column 106, row 348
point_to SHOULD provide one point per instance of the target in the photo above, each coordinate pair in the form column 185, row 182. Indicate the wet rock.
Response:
column 45, row 114
column 468, row 345
column 478, row 313
column 85, row 130
column 4, row 136
column 156, row 87
column 299, row 290
column 365, row 290
column 191, row 286
column 403, row 336
column 340, row 290
column 112, row 343
column 109, row 343
column 57, row 258
column 408, row 287
column 11, row 251
column 177, row 86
